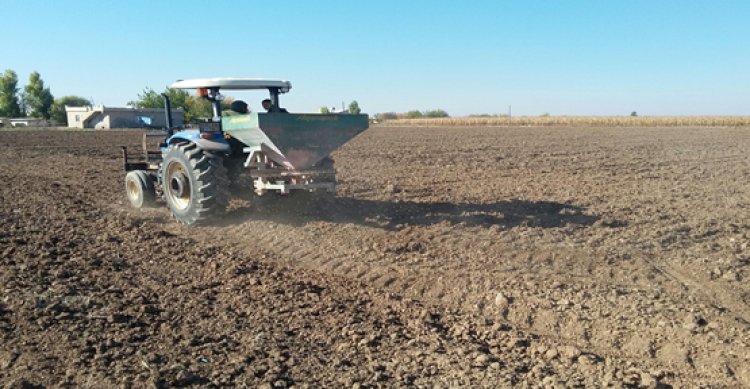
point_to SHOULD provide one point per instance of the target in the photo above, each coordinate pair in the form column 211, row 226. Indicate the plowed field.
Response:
column 451, row 257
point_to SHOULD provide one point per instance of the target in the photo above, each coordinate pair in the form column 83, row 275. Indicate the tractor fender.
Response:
column 194, row 136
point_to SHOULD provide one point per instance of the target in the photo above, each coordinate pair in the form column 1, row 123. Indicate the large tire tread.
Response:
column 209, row 184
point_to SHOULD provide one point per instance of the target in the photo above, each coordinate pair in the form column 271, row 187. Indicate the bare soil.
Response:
column 451, row 257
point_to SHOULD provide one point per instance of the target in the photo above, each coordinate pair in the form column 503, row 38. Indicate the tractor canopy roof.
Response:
column 233, row 83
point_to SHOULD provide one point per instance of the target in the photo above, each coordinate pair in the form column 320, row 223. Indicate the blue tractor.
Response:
column 275, row 151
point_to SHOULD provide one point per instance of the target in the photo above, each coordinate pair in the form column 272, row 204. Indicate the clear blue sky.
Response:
column 560, row 57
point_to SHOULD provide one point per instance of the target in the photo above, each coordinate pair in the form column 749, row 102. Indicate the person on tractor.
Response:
column 238, row 107
column 268, row 106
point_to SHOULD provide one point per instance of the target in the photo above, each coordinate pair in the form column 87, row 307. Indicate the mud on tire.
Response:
column 194, row 182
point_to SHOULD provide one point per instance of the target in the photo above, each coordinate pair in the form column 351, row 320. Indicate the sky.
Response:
column 471, row 57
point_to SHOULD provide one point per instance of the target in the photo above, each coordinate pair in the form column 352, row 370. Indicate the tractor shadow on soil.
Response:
column 395, row 215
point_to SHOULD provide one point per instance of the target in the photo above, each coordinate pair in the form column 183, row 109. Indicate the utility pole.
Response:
column 509, row 121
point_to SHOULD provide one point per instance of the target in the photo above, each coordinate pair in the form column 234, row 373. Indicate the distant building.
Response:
column 121, row 117
column 24, row 122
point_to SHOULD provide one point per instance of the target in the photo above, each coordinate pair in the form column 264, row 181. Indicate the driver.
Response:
column 269, row 107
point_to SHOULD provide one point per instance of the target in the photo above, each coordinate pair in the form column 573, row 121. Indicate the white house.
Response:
column 121, row 117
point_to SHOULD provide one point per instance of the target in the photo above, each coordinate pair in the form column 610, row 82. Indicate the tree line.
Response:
column 435, row 113
column 34, row 100
column 194, row 107
column 353, row 109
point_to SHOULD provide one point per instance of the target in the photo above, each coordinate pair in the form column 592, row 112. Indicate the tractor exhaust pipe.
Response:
column 168, row 111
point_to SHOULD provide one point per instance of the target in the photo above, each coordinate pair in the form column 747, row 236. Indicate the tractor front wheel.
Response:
column 194, row 182
column 139, row 187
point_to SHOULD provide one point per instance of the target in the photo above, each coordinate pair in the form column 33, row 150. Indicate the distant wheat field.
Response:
column 624, row 121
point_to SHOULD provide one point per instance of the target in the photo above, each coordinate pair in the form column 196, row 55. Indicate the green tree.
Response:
column 325, row 110
column 153, row 99
column 413, row 115
column 57, row 112
column 38, row 99
column 436, row 113
column 354, row 108
column 23, row 103
column 9, row 106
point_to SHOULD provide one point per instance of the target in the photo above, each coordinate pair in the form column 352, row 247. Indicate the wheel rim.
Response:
column 133, row 188
column 178, row 186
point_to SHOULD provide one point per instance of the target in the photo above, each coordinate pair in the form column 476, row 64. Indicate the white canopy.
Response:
column 233, row 83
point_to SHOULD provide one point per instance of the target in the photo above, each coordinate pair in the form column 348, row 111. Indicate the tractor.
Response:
column 193, row 169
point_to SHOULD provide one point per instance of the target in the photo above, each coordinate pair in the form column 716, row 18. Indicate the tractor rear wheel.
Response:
column 139, row 187
column 194, row 182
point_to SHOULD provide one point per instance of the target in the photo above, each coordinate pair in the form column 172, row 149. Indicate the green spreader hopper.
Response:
column 294, row 141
